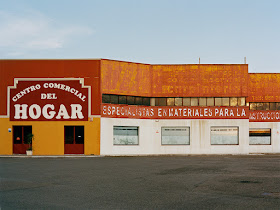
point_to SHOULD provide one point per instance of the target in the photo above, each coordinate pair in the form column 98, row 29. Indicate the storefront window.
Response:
column 175, row 135
column 224, row 135
column 125, row 135
column 259, row 136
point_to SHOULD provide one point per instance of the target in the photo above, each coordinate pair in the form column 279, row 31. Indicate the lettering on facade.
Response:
column 49, row 100
column 264, row 116
column 146, row 112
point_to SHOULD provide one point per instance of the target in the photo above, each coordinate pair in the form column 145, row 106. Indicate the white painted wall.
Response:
column 150, row 137
column 275, row 138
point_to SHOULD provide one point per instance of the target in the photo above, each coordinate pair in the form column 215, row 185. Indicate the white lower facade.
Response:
column 150, row 137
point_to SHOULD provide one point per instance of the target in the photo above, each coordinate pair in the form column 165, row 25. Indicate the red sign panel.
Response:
column 152, row 112
column 49, row 100
column 265, row 116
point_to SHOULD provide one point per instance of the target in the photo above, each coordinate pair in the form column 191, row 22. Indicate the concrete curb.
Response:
column 51, row 156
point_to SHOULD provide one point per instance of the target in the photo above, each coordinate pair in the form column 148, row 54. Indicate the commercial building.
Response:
column 113, row 107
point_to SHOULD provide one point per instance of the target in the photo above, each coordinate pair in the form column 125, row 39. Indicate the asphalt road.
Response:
column 176, row 182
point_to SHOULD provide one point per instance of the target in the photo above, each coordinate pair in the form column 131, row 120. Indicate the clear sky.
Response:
column 144, row 31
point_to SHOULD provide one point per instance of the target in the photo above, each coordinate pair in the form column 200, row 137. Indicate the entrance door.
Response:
column 74, row 139
column 20, row 134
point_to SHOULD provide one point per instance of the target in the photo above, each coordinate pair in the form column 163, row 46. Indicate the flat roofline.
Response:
column 78, row 59
column 264, row 73
column 40, row 59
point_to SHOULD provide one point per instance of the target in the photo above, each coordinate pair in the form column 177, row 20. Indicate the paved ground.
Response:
column 186, row 182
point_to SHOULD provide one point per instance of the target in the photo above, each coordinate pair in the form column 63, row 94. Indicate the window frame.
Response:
column 23, row 135
column 138, row 134
column 224, row 127
column 74, row 134
column 189, row 128
column 270, row 139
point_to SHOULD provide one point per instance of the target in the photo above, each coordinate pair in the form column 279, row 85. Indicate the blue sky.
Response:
column 154, row 31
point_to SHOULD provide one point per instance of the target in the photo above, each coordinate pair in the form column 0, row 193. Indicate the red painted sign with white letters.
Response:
column 264, row 116
column 49, row 100
column 161, row 112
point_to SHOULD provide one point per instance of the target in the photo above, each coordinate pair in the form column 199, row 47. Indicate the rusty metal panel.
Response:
column 264, row 87
column 207, row 80
column 125, row 78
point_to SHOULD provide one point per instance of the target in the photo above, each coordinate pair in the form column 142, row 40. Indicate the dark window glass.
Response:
column 146, row 101
column 69, row 134
column 79, row 134
column 253, row 106
column 277, row 106
column 105, row 98
column 260, row 106
column 157, row 101
column 162, row 101
column 17, row 130
column 138, row 101
column 130, row 100
column 272, row 106
column 265, row 106
column 122, row 100
column 27, row 131
column 114, row 99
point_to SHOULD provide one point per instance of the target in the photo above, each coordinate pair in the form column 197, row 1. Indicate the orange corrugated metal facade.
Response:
column 192, row 80
column 264, row 87
column 200, row 80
